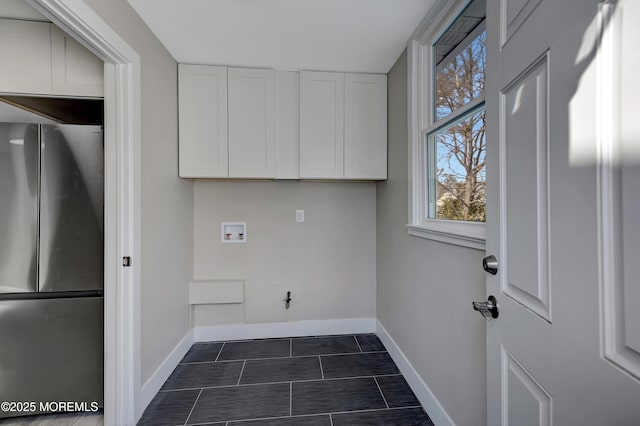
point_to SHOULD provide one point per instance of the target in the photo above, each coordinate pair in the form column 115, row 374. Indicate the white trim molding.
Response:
column 122, row 201
column 466, row 234
column 216, row 333
column 428, row 400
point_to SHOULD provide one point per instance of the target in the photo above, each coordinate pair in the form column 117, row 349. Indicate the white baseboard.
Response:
column 284, row 329
column 419, row 387
column 162, row 373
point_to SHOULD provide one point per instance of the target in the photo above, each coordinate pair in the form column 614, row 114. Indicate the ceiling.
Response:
column 322, row 35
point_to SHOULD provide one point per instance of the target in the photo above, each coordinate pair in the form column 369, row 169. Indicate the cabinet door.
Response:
column 321, row 125
column 28, row 45
column 76, row 71
column 202, row 103
column 365, row 126
column 251, row 123
column 287, row 125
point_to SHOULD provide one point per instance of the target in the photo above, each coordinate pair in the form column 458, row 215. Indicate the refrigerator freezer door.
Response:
column 18, row 207
column 71, row 208
column 52, row 350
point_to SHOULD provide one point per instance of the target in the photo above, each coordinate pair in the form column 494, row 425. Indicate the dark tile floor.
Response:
column 305, row 381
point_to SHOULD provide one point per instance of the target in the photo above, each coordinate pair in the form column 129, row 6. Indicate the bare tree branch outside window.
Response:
column 461, row 147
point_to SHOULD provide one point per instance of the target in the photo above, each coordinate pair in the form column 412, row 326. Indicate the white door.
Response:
column 75, row 71
column 321, row 125
column 563, row 215
column 365, row 126
column 25, row 48
column 252, row 135
column 202, row 111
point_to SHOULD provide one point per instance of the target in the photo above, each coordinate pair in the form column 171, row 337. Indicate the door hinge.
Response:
column 126, row 261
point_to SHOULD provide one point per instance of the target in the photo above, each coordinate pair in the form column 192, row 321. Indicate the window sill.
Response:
column 466, row 234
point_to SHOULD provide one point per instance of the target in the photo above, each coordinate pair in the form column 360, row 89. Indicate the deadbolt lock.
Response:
column 490, row 264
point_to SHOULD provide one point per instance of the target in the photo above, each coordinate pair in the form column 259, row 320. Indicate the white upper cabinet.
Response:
column 202, row 105
column 39, row 58
column 251, row 123
column 321, row 125
column 25, row 49
column 265, row 124
column 287, row 124
column 343, row 126
column 365, row 126
column 75, row 70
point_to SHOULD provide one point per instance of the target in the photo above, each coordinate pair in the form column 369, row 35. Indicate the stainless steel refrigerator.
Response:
column 51, row 264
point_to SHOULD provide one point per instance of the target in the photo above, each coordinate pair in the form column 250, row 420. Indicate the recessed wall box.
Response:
column 233, row 232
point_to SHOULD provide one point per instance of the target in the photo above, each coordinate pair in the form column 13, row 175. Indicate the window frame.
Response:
column 421, row 124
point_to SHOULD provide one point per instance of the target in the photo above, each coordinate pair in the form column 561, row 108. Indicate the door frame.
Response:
column 122, row 382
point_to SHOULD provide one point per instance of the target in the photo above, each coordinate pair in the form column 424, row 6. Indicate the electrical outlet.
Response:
column 299, row 215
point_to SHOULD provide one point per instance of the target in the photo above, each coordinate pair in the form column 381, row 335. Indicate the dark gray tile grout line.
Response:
column 290, row 399
column 279, row 383
column 223, row 343
column 373, row 410
column 357, row 343
column 381, row 393
column 376, row 409
column 219, row 352
column 281, row 357
column 193, row 408
column 241, row 371
column 321, row 369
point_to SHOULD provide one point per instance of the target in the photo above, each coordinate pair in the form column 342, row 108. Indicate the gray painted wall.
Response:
column 167, row 202
column 328, row 262
column 425, row 288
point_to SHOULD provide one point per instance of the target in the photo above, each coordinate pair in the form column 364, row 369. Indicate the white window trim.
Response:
column 419, row 107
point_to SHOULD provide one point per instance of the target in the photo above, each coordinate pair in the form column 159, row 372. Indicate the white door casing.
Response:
column 122, row 202
column 566, row 347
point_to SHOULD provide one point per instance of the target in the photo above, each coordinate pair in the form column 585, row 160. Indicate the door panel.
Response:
column 321, row 125
column 75, row 70
column 630, row 250
column 202, row 110
column 287, row 125
column 564, row 220
column 523, row 142
column 365, row 126
column 513, row 14
column 527, row 403
column 251, row 123
column 28, row 44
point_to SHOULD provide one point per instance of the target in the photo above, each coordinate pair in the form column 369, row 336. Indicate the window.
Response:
column 447, row 89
